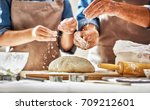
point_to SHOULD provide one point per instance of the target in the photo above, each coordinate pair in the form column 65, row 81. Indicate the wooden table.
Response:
column 89, row 76
column 89, row 86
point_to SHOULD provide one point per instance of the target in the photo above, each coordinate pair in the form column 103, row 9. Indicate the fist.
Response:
column 86, row 39
column 41, row 33
column 68, row 25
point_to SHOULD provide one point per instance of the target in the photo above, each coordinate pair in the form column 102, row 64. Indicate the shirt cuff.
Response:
column 71, row 51
column 3, row 30
column 147, row 6
column 83, row 22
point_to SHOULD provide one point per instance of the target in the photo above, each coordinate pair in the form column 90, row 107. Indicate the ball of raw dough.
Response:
column 71, row 64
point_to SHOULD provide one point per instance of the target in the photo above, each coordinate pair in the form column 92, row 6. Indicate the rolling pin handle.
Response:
column 108, row 66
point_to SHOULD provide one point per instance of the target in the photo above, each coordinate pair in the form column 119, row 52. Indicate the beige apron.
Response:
column 114, row 28
column 28, row 14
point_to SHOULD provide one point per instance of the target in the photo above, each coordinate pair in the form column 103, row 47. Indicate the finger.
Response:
column 78, row 44
column 70, row 20
column 90, row 6
column 84, row 34
column 91, row 45
column 60, row 28
column 50, row 32
column 69, row 30
column 83, row 44
column 69, row 23
column 96, row 14
column 87, row 38
column 45, row 34
column 43, row 38
column 96, row 9
column 40, row 32
column 46, row 40
column 90, row 35
column 47, row 30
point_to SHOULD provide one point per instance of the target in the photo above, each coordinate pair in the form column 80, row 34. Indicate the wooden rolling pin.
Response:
column 127, row 68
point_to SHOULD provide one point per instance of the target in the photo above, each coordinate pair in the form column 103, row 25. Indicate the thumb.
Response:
column 81, row 41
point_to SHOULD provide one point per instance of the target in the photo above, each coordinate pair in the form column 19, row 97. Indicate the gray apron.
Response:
column 114, row 28
column 28, row 14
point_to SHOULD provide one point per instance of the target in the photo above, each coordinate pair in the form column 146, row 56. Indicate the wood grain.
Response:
column 46, row 75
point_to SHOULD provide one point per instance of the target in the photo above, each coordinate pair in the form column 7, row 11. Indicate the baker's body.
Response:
column 32, row 25
column 112, row 21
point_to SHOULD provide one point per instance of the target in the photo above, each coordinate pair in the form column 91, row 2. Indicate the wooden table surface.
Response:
column 89, row 76
column 93, row 84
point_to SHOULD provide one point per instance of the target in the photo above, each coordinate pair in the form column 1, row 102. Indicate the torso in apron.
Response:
column 114, row 28
column 28, row 14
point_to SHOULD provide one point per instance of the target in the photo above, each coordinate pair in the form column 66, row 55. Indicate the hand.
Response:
column 99, row 7
column 68, row 25
column 41, row 33
column 87, row 38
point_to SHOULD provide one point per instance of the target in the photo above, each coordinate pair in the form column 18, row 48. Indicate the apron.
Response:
column 28, row 14
column 114, row 28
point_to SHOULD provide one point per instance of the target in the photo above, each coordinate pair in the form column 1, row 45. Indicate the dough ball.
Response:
column 71, row 64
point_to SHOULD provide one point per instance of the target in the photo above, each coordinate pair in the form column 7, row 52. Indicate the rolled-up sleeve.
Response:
column 5, row 19
column 82, row 21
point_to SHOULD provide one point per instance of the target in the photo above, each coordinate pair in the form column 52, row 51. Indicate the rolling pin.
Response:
column 127, row 68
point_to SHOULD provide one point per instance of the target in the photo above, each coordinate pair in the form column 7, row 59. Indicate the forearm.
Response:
column 66, row 41
column 14, row 38
column 136, row 14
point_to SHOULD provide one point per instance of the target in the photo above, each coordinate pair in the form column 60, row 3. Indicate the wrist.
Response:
column 31, row 34
column 89, row 27
column 68, row 33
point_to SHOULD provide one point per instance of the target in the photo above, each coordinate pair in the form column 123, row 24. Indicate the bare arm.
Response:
column 14, row 38
column 67, row 41
column 67, row 27
column 132, row 13
column 38, row 33
column 136, row 14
